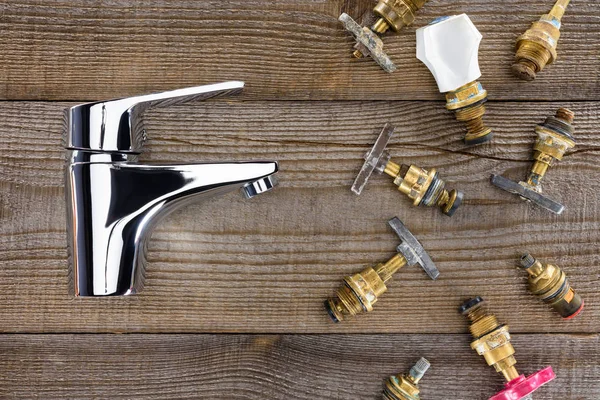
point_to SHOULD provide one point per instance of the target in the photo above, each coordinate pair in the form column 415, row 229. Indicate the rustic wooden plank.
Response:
column 279, row 367
column 82, row 49
column 266, row 265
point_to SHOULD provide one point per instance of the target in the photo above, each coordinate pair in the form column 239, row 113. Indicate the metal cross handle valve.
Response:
column 423, row 187
column 555, row 137
column 491, row 339
column 389, row 14
column 360, row 291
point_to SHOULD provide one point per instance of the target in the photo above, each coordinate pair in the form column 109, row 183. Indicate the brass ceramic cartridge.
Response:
column 555, row 137
column 405, row 387
column 492, row 341
column 390, row 14
column 550, row 284
column 536, row 48
column 362, row 290
column 423, row 187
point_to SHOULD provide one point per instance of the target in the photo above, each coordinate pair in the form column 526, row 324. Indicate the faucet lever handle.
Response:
column 116, row 126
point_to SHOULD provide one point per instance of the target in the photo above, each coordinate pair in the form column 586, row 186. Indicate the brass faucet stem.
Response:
column 395, row 14
column 550, row 284
column 536, row 48
column 405, row 387
column 468, row 104
column 424, row 187
column 492, row 340
column 555, row 137
column 361, row 291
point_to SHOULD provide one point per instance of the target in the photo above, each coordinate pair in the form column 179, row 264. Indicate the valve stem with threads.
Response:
column 361, row 291
column 405, row 387
column 449, row 47
column 536, row 48
column 555, row 137
column 390, row 14
column 550, row 284
column 423, row 187
column 492, row 341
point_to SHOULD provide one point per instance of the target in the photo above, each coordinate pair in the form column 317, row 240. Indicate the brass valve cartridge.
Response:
column 423, row 187
column 550, row 283
column 405, row 387
column 555, row 137
column 449, row 47
column 492, row 341
column 390, row 14
column 536, row 48
column 362, row 290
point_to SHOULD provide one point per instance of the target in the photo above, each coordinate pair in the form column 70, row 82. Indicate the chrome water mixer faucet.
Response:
column 114, row 202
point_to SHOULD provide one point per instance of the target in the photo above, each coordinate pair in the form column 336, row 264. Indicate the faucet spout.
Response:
column 117, row 205
column 114, row 202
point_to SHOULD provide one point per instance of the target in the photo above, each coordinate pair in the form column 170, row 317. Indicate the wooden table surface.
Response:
column 232, row 306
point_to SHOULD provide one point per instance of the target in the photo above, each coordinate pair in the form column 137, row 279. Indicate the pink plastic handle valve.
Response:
column 521, row 387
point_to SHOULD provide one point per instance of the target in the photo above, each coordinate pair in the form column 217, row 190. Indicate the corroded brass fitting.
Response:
column 395, row 14
column 492, row 341
column 361, row 291
column 550, row 283
column 405, row 387
column 468, row 104
column 390, row 14
column 555, row 137
column 536, row 48
column 423, row 187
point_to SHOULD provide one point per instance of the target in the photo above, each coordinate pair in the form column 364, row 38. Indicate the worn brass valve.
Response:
column 550, row 283
column 423, row 187
column 555, row 137
column 492, row 341
column 536, row 48
column 449, row 48
column 361, row 291
column 405, row 387
column 391, row 14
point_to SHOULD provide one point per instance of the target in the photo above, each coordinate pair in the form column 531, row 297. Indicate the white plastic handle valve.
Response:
column 449, row 47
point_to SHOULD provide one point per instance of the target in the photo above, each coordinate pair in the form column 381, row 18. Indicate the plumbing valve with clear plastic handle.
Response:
column 449, row 47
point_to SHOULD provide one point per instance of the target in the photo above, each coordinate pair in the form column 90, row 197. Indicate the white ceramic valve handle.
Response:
column 448, row 47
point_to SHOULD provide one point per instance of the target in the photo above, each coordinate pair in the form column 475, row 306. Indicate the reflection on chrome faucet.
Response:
column 114, row 202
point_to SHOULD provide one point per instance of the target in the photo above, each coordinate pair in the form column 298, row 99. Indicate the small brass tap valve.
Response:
column 536, row 48
column 361, row 291
column 423, row 187
column 492, row 341
column 449, row 47
column 550, row 283
column 405, row 387
column 555, row 137
column 391, row 14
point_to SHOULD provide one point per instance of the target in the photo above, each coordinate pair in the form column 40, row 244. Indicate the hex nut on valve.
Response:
column 405, row 387
column 551, row 285
column 449, row 48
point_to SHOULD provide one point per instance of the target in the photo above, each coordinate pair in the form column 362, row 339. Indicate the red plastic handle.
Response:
column 521, row 386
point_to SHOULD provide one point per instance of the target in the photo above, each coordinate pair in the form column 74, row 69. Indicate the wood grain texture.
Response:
column 279, row 367
column 82, row 49
column 266, row 265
